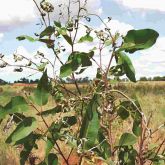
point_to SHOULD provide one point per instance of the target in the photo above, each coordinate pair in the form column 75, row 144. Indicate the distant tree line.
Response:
column 2, row 82
column 67, row 80
column 81, row 80
column 156, row 78
column 26, row 81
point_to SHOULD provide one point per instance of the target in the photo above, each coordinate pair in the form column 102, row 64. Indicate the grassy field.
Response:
column 151, row 96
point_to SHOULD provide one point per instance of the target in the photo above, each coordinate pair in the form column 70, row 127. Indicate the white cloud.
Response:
column 118, row 26
column 14, row 13
column 152, row 61
column 92, row 6
column 1, row 36
column 115, row 25
column 144, row 4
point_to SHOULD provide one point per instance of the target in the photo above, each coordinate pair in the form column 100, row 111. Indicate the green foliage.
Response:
column 23, row 129
column 52, row 159
column 105, row 147
column 127, row 139
column 25, row 37
column 86, row 38
column 92, row 131
column 63, row 31
column 127, row 65
column 57, row 24
column 127, row 156
column 76, row 60
column 47, row 32
column 52, row 111
column 85, row 122
column 139, row 39
column 16, row 105
column 41, row 94
column 42, row 66
column 29, row 142
column 90, row 123
column 123, row 111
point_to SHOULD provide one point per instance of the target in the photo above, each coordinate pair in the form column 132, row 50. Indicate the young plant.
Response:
column 101, row 124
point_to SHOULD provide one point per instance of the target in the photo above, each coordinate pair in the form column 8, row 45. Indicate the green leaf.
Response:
column 108, row 42
column 90, row 123
column 42, row 92
column 54, row 129
column 66, row 70
column 139, row 40
column 52, row 159
column 42, row 163
column 99, row 75
column 48, row 147
column 47, row 32
column 63, row 32
column 42, row 66
column 92, row 131
column 68, row 39
column 18, row 117
column 127, row 139
column 127, row 155
column 117, row 70
column 52, row 111
column 127, row 65
column 91, row 108
column 57, row 24
column 159, row 162
column 137, row 117
column 29, row 142
column 48, row 42
column 86, row 38
column 136, row 129
column 25, row 37
column 76, row 60
column 123, row 112
column 17, row 105
column 69, row 121
column 104, row 145
column 24, row 128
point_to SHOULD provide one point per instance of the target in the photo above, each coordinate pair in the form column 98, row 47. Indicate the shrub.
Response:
column 92, row 124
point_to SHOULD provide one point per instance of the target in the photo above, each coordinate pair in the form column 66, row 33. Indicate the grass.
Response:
column 151, row 96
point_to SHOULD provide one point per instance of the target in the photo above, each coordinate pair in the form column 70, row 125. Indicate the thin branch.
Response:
column 40, row 12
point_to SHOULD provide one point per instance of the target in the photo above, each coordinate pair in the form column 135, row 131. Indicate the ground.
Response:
column 151, row 96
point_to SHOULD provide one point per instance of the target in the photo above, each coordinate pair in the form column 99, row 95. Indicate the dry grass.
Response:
column 151, row 96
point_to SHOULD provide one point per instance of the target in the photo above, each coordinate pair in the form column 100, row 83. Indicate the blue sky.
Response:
column 20, row 17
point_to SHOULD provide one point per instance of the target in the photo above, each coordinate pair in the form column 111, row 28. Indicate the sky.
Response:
column 19, row 17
